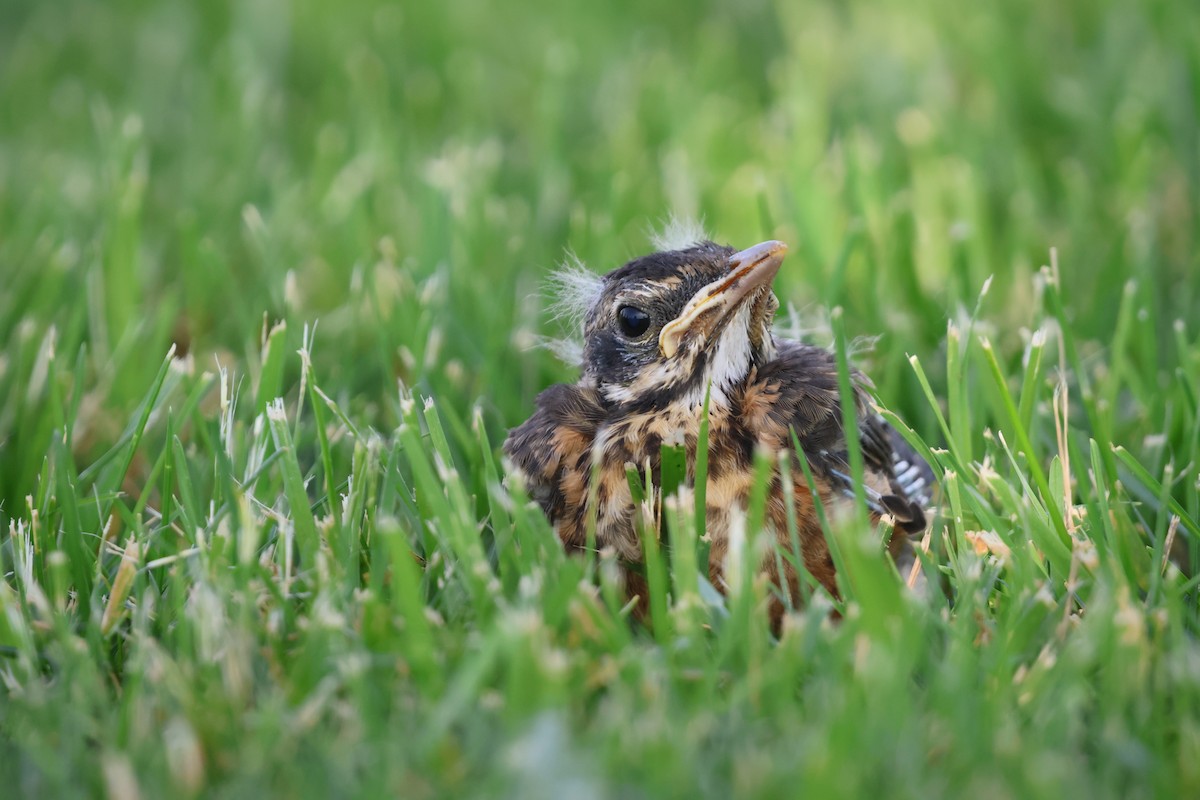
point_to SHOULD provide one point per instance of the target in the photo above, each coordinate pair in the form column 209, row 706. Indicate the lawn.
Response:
column 272, row 289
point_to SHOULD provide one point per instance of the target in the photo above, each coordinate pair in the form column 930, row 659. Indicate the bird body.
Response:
column 662, row 334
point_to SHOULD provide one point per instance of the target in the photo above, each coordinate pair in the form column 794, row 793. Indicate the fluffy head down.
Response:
column 575, row 289
column 679, row 234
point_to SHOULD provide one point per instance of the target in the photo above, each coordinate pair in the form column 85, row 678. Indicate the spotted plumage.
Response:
column 660, row 334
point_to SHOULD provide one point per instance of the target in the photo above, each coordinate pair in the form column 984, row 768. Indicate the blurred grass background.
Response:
column 193, row 174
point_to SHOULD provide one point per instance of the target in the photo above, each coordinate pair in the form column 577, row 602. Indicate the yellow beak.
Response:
column 749, row 270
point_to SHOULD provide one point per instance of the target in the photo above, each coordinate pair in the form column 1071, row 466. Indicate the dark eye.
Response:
column 633, row 322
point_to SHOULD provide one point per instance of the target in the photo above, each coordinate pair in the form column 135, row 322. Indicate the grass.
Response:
column 270, row 277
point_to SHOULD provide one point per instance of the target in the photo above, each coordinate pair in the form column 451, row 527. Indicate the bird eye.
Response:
column 633, row 322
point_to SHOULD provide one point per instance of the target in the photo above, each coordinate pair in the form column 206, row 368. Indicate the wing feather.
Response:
column 898, row 481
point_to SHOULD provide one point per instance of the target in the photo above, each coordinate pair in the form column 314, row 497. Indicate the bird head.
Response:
column 667, row 326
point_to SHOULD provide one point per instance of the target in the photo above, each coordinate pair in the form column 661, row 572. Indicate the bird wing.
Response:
column 908, row 479
column 805, row 399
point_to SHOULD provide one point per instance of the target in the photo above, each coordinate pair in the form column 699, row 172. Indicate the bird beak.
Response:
column 708, row 310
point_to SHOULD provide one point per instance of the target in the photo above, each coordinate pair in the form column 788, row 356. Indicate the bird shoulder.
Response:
column 556, row 439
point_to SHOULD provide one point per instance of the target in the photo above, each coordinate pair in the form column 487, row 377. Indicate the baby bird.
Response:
column 660, row 334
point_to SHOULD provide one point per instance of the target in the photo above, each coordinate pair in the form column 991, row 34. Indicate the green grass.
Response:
column 283, row 561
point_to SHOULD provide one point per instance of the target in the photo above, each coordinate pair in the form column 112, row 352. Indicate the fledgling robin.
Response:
column 660, row 333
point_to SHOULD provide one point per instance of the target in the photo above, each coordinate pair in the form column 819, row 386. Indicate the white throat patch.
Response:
column 731, row 358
